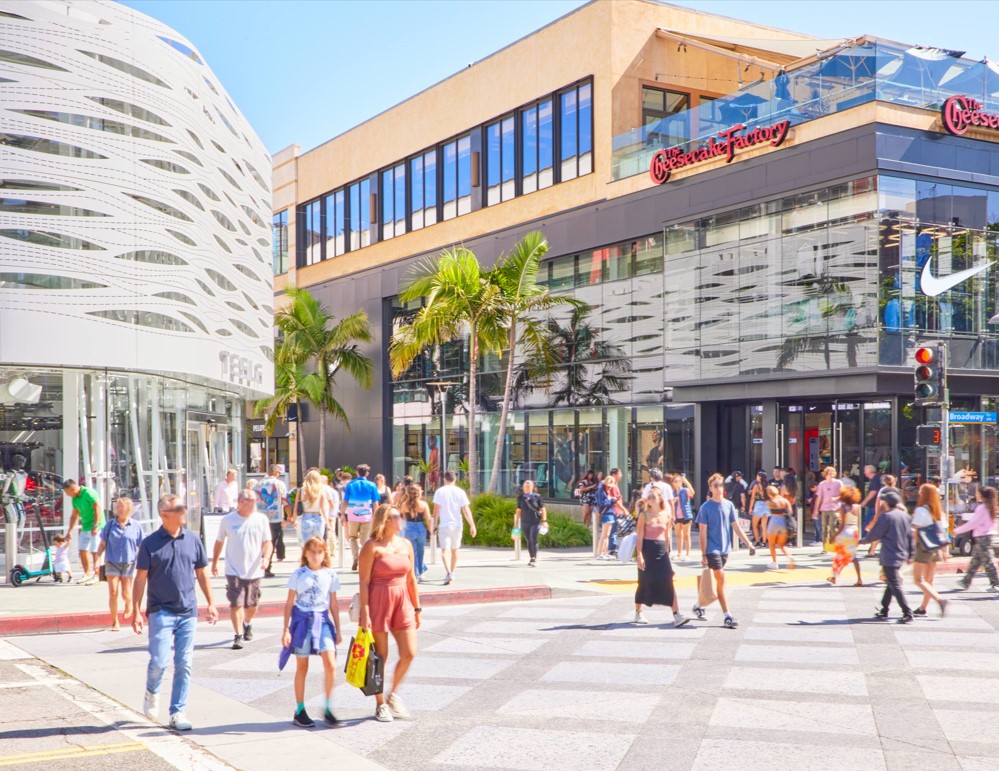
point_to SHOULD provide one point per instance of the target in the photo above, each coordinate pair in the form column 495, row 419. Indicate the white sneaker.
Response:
column 448, row 579
column 179, row 722
column 383, row 714
column 151, row 705
column 640, row 617
column 397, row 708
column 773, row 566
column 679, row 619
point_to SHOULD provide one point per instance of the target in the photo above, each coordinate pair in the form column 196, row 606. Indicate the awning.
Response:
column 777, row 50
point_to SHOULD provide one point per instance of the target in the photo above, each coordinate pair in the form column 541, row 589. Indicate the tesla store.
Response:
column 135, row 271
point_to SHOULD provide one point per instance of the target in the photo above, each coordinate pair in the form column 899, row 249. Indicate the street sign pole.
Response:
column 945, row 474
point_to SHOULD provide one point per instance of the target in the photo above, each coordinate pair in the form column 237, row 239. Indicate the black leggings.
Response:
column 530, row 530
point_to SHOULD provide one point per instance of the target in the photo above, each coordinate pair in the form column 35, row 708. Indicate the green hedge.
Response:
column 494, row 520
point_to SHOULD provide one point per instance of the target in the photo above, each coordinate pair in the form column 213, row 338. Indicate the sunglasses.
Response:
column 177, row 508
column 718, row 484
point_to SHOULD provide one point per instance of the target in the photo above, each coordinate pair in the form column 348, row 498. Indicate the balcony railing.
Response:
column 865, row 72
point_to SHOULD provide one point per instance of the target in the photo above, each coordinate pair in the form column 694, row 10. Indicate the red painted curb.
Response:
column 75, row 622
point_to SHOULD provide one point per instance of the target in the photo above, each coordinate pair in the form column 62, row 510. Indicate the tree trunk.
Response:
column 505, row 411
column 322, row 438
column 300, row 431
column 473, row 456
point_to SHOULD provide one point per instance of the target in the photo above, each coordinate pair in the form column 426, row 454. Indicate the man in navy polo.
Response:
column 169, row 560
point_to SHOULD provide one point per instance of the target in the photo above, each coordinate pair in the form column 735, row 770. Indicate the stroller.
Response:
column 625, row 527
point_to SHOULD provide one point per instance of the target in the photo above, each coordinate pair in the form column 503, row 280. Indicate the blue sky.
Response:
column 306, row 70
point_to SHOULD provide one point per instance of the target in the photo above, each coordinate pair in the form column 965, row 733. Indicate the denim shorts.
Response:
column 310, row 525
column 326, row 643
column 606, row 519
column 119, row 569
column 89, row 541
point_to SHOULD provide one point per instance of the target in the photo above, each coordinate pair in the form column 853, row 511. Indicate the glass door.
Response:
column 814, row 435
column 195, row 477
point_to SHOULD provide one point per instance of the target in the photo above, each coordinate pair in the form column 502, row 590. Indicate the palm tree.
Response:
column 293, row 384
column 315, row 339
column 516, row 274
column 458, row 297
column 578, row 348
column 835, row 300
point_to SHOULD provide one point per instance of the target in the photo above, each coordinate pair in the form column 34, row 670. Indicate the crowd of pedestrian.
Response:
column 388, row 530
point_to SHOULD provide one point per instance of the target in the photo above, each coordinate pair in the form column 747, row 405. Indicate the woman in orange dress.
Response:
column 390, row 601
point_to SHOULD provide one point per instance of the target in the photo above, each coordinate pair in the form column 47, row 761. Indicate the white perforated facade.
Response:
column 134, row 206
column 136, row 278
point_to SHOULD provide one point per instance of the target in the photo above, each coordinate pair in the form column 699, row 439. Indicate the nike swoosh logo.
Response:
column 932, row 286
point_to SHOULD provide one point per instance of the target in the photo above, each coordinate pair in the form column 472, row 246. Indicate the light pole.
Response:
column 442, row 386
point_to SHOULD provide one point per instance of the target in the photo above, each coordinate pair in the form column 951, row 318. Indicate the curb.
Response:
column 78, row 622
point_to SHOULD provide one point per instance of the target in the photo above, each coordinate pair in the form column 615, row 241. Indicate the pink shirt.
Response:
column 827, row 493
column 980, row 524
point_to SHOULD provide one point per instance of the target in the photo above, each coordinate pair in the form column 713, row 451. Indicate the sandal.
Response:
column 831, row 580
column 859, row 583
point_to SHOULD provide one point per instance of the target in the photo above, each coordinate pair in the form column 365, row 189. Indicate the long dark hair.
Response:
column 990, row 497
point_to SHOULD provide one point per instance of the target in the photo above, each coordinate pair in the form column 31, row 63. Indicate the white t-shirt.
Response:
column 313, row 587
column 921, row 517
column 226, row 494
column 244, row 543
column 451, row 500
column 664, row 488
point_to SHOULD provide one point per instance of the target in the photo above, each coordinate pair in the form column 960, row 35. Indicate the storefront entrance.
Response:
column 846, row 434
column 208, row 453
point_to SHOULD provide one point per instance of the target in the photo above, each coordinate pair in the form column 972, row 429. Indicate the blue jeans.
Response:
column 612, row 538
column 165, row 630
column 416, row 533
column 311, row 524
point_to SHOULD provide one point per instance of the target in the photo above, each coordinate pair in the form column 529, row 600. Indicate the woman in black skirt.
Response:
column 655, row 573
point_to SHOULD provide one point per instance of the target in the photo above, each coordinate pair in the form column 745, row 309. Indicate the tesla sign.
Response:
column 727, row 144
column 961, row 112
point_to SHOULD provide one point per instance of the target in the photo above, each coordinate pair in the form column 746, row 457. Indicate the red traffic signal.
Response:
column 930, row 380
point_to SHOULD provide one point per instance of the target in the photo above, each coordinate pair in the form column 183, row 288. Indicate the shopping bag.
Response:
column 706, row 589
column 626, row 549
column 374, row 673
column 361, row 647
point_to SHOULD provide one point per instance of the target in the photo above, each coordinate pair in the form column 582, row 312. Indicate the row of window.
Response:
column 539, row 144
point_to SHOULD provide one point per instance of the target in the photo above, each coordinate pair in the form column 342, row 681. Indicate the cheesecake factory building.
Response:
column 764, row 226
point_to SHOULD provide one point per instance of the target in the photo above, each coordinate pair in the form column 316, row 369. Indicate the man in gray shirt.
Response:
column 894, row 529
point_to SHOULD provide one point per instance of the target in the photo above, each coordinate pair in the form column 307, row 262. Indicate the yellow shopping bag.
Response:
column 357, row 658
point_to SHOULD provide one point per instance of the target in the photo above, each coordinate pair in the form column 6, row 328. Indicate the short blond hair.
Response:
column 128, row 503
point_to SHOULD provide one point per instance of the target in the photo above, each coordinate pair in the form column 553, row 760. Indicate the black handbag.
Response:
column 931, row 537
column 374, row 675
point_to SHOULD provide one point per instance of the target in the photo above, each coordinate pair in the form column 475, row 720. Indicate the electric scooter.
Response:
column 21, row 573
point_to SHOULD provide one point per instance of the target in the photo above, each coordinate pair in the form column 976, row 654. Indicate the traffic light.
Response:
column 930, row 376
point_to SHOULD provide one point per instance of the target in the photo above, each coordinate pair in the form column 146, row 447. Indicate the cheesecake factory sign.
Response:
column 960, row 113
column 726, row 144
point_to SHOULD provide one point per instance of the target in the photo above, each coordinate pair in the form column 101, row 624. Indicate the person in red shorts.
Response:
column 390, row 601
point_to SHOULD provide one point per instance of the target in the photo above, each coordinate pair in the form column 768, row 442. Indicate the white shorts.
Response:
column 449, row 537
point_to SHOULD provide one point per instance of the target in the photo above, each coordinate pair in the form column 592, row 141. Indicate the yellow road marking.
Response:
column 741, row 578
column 71, row 753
